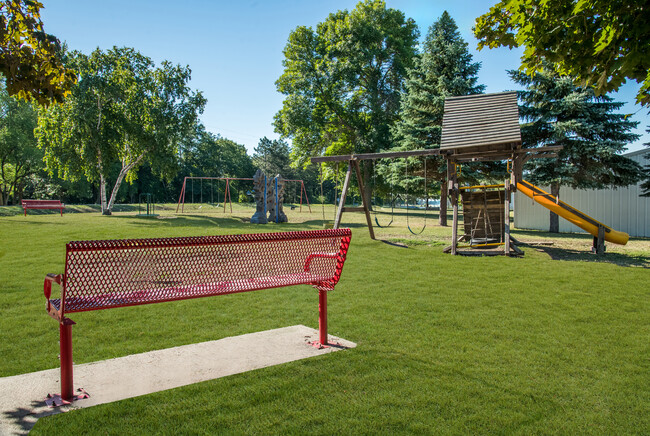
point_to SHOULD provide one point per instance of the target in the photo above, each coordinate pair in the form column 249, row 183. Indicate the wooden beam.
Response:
column 364, row 200
column 344, row 192
column 453, row 194
column 373, row 156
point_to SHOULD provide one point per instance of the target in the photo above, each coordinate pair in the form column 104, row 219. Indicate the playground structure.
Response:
column 483, row 127
column 227, row 200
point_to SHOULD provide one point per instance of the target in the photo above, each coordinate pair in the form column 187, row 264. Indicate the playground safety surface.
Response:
column 22, row 401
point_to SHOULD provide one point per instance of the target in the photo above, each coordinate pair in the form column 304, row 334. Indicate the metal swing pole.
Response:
column 182, row 196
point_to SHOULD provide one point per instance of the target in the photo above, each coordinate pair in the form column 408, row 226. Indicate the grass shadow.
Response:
column 568, row 254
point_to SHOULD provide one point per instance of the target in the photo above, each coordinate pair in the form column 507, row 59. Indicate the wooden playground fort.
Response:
column 227, row 201
column 483, row 127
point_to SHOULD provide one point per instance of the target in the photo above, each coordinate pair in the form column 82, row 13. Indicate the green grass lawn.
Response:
column 554, row 342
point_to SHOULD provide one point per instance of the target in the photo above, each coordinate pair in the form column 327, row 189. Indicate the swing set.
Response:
column 353, row 165
column 227, row 201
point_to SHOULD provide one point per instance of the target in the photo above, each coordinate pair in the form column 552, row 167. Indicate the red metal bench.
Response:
column 117, row 273
column 42, row 204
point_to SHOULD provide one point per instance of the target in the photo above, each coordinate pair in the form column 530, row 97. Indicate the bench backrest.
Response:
column 115, row 273
column 32, row 203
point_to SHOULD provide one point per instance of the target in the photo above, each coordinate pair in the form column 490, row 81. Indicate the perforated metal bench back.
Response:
column 105, row 274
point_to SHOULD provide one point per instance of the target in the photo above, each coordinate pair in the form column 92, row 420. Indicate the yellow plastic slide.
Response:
column 574, row 216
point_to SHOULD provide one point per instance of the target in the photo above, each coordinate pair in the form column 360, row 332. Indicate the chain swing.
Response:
column 426, row 193
column 392, row 200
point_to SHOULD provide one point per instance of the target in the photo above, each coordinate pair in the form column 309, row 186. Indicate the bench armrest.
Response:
column 47, row 290
column 318, row 255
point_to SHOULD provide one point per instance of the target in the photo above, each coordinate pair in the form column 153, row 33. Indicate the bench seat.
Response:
column 173, row 293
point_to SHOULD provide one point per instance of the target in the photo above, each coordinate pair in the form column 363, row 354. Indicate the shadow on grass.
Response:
column 619, row 259
column 572, row 254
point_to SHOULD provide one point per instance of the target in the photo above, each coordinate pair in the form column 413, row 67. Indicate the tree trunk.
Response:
column 554, row 219
column 102, row 195
column 443, row 203
column 116, row 188
column 123, row 172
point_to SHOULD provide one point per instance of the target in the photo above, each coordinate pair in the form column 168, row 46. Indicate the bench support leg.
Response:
column 65, row 337
column 322, row 316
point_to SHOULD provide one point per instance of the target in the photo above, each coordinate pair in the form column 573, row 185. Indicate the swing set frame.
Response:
column 353, row 165
column 227, row 199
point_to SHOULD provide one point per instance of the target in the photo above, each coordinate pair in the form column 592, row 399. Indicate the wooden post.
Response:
column 599, row 241
column 452, row 178
column 364, row 200
column 344, row 192
column 507, row 218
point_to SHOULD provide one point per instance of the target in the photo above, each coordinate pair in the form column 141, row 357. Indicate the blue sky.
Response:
column 234, row 48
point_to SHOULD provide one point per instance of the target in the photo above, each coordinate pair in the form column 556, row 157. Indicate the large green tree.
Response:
column 30, row 59
column 591, row 131
column 596, row 42
column 210, row 155
column 273, row 157
column 123, row 109
column 443, row 69
column 343, row 81
column 19, row 156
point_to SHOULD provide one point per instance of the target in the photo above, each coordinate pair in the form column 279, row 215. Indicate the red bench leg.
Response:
column 65, row 337
column 322, row 316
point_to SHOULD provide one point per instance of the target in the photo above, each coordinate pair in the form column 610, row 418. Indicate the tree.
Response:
column 343, row 81
column 19, row 156
column 273, row 157
column 443, row 69
column 599, row 43
column 209, row 155
column 30, row 58
column 593, row 135
column 123, row 109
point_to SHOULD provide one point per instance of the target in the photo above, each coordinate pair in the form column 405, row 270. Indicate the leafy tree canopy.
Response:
column 208, row 155
column 19, row 156
column 30, row 58
column 599, row 43
column 123, row 109
column 343, row 81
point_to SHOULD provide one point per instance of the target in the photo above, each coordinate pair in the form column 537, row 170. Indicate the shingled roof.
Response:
column 483, row 123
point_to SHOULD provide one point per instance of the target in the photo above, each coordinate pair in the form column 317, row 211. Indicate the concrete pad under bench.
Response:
column 22, row 396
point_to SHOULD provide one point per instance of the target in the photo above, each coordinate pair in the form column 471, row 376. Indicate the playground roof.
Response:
column 481, row 124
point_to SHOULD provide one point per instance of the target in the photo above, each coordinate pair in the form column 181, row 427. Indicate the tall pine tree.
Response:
column 589, row 128
column 444, row 68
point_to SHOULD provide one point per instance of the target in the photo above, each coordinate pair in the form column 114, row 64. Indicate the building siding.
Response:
column 620, row 208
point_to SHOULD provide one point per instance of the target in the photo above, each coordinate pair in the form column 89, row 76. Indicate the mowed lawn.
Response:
column 446, row 345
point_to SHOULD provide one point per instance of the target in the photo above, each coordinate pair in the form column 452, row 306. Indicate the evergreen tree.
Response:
column 592, row 133
column 273, row 157
column 444, row 68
